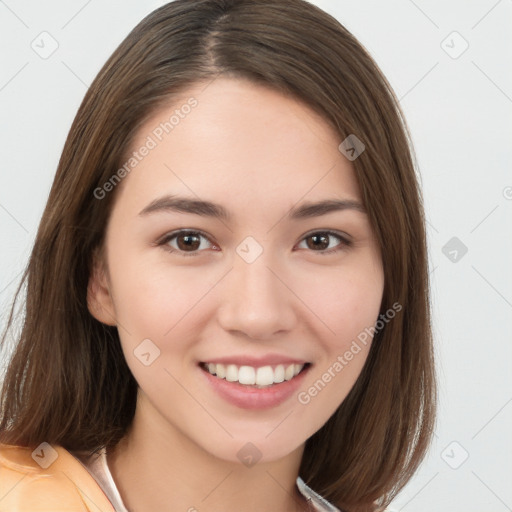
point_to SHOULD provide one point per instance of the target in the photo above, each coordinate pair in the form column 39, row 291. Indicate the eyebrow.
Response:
column 209, row 209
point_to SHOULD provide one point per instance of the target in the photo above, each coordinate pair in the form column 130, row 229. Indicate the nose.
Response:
column 256, row 300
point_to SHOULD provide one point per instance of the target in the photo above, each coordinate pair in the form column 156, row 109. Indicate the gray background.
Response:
column 458, row 103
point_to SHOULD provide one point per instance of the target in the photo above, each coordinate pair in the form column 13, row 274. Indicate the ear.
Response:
column 99, row 297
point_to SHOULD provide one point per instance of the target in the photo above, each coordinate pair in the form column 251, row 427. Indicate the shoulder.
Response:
column 47, row 478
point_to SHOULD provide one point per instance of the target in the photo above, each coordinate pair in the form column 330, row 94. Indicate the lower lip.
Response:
column 248, row 397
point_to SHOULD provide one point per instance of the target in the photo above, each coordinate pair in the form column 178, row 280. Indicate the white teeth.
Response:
column 231, row 373
column 279, row 373
column 261, row 377
column 219, row 370
column 264, row 376
column 288, row 373
column 246, row 375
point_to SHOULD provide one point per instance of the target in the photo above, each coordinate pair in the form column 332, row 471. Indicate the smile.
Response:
column 259, row 377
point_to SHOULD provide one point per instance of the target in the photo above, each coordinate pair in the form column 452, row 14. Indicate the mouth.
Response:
column 255, row 377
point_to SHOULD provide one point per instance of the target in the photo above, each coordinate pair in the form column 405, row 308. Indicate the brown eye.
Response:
column 186, row 243
column 325, row 242
column 318, row 241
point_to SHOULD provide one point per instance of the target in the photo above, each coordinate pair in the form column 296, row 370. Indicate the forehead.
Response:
column 241, row 144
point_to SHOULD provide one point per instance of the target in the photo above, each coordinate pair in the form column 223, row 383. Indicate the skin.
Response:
column 258, row 153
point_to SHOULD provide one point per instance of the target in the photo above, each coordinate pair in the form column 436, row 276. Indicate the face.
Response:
column 220, row 259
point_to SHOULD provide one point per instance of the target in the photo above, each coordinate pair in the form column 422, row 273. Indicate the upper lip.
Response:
column 256, row 362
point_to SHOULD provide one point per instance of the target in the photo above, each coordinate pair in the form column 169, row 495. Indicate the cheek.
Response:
column 162, row 312
column 349, row 306
column 157, row 300
column 346, row 302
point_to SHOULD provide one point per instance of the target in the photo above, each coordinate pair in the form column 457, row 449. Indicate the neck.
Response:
column 157, row 467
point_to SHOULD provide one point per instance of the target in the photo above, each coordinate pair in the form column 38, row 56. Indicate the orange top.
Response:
column 51, row 479
column 47, row 479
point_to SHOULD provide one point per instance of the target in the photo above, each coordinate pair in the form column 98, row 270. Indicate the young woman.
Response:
column 227, row 301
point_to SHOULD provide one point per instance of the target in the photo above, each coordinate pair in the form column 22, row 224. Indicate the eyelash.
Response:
column 344, row 242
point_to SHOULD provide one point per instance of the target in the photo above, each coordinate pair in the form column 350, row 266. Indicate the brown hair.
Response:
column 67, row 382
